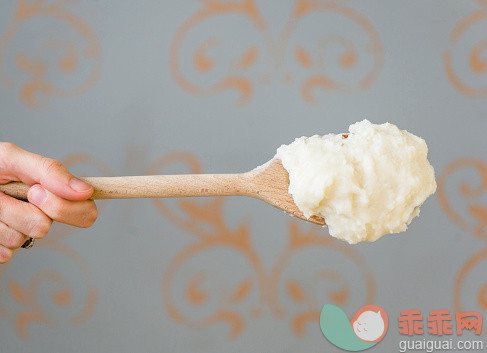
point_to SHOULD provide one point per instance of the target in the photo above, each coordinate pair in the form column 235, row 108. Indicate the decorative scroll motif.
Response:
column 220, row 277
column 465, row 201
column 462, row 192
column 466, row 57
column 62, row 60
column 208, row 64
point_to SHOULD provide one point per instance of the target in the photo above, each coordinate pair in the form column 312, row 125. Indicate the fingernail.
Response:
column 78, row 185
column 37, row 195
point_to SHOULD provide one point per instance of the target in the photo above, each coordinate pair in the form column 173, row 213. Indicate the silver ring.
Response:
column 29, row 243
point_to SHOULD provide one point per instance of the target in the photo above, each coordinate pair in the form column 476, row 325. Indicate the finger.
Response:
column 11, row 238
column 24, row 217
column 5, row 254
column 77, row 213
column 30, row 168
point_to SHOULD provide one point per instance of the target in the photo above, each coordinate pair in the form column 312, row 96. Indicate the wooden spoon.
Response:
column 269, row 183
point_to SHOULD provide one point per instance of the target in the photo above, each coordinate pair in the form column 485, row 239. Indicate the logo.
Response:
column 365, row 330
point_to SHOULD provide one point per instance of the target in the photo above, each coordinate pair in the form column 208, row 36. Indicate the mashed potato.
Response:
column 364, row 186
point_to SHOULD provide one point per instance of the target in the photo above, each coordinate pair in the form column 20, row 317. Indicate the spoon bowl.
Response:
column 270, row 183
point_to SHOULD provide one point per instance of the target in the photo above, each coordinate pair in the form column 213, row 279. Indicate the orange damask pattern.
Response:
column 62, row 58
column 221, row 278
column 328, row 60
column 466, row 59
column 462, row 191
column 469, row 210
column 71, row 297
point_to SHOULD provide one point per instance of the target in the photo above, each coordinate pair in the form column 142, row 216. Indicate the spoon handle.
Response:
column 150, row 186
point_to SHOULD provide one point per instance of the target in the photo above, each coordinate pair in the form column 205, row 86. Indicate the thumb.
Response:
column 30, row 168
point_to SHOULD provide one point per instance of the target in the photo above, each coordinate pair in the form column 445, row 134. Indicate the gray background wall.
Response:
column 137, row 87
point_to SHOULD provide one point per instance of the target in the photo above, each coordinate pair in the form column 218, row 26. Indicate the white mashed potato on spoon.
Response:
column 365, row 185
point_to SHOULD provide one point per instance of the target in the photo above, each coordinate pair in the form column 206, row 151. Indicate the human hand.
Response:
column 55, row 194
